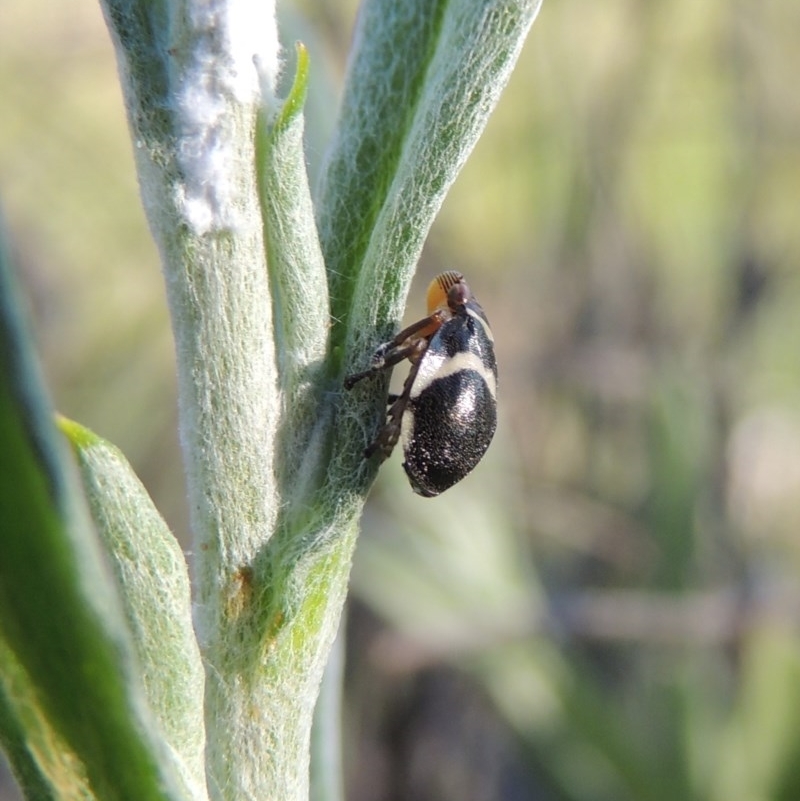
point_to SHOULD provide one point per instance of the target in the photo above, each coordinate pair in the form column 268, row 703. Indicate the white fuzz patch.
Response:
column 253, row 34
column 234, row 59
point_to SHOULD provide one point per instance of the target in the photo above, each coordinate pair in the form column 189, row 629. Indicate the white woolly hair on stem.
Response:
column 236, row 56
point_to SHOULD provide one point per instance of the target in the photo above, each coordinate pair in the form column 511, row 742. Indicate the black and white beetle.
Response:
column 446, row 414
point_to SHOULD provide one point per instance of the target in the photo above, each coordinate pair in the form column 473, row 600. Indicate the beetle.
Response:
column 446, row 414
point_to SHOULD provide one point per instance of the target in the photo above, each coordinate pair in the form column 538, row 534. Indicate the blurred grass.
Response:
column 611, row 598
column 69, row 192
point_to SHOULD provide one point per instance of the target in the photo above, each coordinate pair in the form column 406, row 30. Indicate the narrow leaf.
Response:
column 59, row 614
column 298, row 284
column 153, row 578
column 44, row 765
column 422, row 81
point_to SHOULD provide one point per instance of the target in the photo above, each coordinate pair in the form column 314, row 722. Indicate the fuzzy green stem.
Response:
column 273, row 445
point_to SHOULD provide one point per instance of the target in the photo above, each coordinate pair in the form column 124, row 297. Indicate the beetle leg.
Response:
column 382, row 360
column 390, row 432
column 432, row 323
column 401, row 347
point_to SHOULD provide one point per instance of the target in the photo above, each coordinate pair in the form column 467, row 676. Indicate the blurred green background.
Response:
column 608, row 607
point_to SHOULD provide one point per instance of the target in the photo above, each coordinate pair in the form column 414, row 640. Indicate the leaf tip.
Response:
column 79, row 436
column 296, row 98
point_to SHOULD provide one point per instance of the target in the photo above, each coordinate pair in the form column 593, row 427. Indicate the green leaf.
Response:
column 298, row 285
column 44, row 765
column 760, row 750
column 153, row 579
column 422, row 81
column 59, row 613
